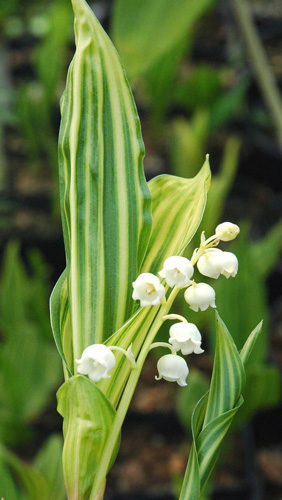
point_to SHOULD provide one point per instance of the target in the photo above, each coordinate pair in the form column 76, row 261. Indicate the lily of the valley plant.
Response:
column 124, row 241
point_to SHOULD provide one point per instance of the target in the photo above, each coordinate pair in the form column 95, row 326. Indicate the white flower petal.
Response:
column 177, row 271
column 229, row 264
column 148, row 289
column 200, row 296
column 173, row 368
column 185, row 336
column 210, row 263
column 227, row 231
column 96, row 361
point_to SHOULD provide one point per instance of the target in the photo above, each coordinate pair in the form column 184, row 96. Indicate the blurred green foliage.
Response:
column 29, row 373
column 29, row 367
column 38, row 99
column 43, row 478
column 144, row 31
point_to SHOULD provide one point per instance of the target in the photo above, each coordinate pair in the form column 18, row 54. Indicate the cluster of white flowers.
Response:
column 98, row 359
column 177, row 272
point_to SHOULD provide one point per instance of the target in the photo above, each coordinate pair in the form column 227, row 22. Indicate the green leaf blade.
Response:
column 105, row 201
column 134, row 22
column 177, row 206
column 228, row 374
column 88, row 417
column 216, row 410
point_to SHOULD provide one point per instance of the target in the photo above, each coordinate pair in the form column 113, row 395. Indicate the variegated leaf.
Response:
column 105, row 201
column 88, row 417
column 214, row 413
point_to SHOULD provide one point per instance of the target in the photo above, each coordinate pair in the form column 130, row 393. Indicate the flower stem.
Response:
column 128, row 354
column 127, row 396
column 162, row 344
column 175, row 316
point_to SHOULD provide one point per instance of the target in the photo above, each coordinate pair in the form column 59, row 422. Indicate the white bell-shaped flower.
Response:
column 229, row 264
column 148, row 289
column 96, row 361
column 185, row 337
column 210, row 263
column 173, row 368
column 227, row 231
column 200, row 296
column 177, row 271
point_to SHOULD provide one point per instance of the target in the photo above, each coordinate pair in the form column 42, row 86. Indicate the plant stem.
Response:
column 162, row 344
column 127, row 396
column 261, row 67
column 175, row 316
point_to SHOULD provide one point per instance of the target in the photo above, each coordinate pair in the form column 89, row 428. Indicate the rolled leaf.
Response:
column 105, row 201
column 88, row 417
column 214, row 413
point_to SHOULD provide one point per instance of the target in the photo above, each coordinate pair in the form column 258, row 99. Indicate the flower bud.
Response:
column 200, row 296
column 173, row 368
column 177, row 271
column 229, row 264
column 210, row 263
column 227, row 231
column 185, row 337
column 96, row 361
column 148, row 289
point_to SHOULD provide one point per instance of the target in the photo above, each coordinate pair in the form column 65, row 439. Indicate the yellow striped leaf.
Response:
column 214, row 413
column 105, row 201
column 178, row 205
column 88, row 417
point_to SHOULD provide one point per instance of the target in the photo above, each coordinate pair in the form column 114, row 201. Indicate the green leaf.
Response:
column 177, row 205
column 221, row 185
column 48, row 462
column 59, row 315
column 228, row 375
column 105, row 201
column 133, row 24
column 7, row 484
column 214, row 413
column 51, row 52
column 257, row 393
column 160, row 81
column 188, row 144
column 250, row 343
column 27, row 351
column 199, row 89
column 228, row 104
column 187, row 398
column 243, row 302
column 13, row 293
column 35, row 363
column 88, row 417
column 266, row 251
column 32, row 483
